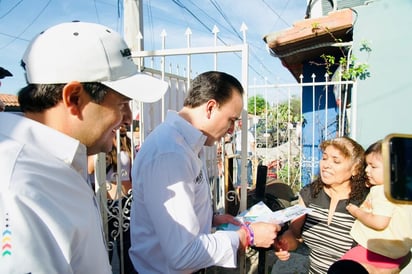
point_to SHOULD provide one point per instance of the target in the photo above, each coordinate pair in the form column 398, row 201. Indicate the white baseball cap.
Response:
column 88, row 52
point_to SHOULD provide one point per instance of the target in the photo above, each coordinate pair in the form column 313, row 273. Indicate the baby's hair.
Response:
column 374, row 148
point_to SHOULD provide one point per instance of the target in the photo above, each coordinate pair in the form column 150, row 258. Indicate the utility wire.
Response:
column 15, row 37
column 97, row 12
column 11, row 9
column 28, row 26
column 210, row 17
column 277, row 14
column 219, row 9
column 119, row 15
column 262, row 69
column 150, row 19
column 181, row 5
column 252, row 51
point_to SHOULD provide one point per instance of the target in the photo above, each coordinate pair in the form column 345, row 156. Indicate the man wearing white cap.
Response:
column 80, row 78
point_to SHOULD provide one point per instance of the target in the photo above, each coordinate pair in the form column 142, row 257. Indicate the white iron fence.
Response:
column 324, row 108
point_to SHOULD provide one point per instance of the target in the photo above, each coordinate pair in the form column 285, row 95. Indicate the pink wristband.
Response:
column 252, row 234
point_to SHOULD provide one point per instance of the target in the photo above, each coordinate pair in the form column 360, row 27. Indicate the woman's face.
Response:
column 374, row 168
column 335, row 168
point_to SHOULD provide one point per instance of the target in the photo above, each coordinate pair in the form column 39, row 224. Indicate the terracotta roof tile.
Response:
column 10, row 100
column 308, row 39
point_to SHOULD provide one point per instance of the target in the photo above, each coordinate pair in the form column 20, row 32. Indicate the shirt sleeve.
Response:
column 380, row 204
column 305, row 194
column 172, row 208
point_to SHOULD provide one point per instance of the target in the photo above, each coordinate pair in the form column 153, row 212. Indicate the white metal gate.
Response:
column 300, row 165
column 152, row 114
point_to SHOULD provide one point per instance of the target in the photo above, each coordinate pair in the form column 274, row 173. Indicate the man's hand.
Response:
column 264, row 233
column 224, row 219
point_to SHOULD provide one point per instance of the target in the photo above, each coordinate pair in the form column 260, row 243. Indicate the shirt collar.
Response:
column 193, row 137
column 46, row 139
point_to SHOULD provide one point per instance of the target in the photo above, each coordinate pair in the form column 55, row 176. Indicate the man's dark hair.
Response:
column 212, row 85
column 39, row 97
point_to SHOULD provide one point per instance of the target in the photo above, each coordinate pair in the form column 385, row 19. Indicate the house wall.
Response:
column 341, row 4
column 385, row 98
column 323, row 7
column 314, row 110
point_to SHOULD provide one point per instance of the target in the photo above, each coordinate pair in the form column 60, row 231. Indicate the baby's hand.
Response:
column 352, row 209
column 281, row 249
column 282, row 255
column 280, row 244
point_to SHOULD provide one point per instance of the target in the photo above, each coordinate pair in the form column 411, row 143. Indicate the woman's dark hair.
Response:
column 212, row 85
column 354, row 151
column 125, row 145
column 39, row 97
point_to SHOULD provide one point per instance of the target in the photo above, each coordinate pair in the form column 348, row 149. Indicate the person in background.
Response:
column 124, row 157
column 172, row 215
column 326, row 229
column 2, row 106
column 136, row 141
column 120, row 195
column 383, row 229
column 118, row 198
column 80, row 80
column 250, row 151
column 298, row 132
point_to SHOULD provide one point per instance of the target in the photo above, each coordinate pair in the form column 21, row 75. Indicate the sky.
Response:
column 21, row 20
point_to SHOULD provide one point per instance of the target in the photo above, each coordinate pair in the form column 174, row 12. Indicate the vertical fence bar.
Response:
column 354, row 108
column 289, row 139
column 301, row 128
column 313, row 126
column 189, row 57
column 326, row 106
column 163, row 63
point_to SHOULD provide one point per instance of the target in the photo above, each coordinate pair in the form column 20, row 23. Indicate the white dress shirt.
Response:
column 171, row 216
column 50, row 221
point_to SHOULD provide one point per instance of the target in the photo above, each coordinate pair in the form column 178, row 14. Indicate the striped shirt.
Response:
column 327, row 243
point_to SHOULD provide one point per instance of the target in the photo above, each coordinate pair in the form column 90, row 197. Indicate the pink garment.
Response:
column 362, row 255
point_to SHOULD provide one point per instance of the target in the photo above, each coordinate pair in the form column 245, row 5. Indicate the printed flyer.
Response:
column 260, row 212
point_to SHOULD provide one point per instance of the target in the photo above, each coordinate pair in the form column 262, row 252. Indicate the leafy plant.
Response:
column 282, row 114
column 291, row 176
column 350, row 68
column 261, row 105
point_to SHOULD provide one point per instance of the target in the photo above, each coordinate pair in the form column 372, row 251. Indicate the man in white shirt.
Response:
column 80, row 80
column 172, row 217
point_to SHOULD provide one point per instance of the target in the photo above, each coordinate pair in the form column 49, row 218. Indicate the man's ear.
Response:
column 73, row 94
column 210, row 105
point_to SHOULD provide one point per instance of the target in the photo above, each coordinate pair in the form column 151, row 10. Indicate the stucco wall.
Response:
column 385, row 98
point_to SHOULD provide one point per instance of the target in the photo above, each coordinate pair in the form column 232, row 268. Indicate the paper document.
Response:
column 260, row 212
